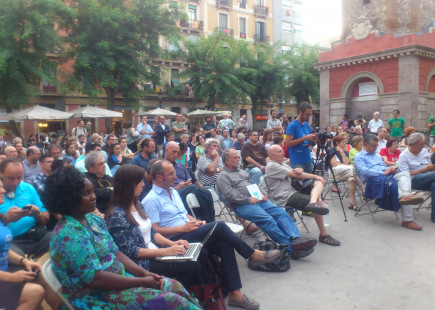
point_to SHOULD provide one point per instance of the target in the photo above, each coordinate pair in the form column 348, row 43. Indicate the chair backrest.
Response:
column 52, row 281
column 214, row 195
column 192, row 203
column 240, row 156
column 196, row 174
column 263, row 184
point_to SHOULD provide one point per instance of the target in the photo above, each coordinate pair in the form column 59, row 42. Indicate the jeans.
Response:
column 426, row 182
column 222, row 242
column 273, row 220
column 308, row 167
column 255, row 174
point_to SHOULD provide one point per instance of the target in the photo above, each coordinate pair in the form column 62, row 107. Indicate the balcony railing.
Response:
column 260, row 38
column 49, row 89
column 192, row 24
column 226, row 4
column 260, row 10
column 226, row 31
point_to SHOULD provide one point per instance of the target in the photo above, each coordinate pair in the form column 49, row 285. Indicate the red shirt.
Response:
column 390, row 157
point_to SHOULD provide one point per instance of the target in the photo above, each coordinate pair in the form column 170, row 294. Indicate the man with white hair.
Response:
column 416, row 161
column 375, row 123
column 209, row 164
column 11, row 151
column 240, row 142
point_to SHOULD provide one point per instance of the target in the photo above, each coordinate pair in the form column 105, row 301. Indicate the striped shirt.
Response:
column 206, row 179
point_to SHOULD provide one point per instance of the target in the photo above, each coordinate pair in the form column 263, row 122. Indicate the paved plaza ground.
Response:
column 377, row 266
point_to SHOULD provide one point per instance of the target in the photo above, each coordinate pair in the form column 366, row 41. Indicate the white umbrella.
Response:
column 94, row 112
column 37, row 112
column 158, row 112
column 200, row 113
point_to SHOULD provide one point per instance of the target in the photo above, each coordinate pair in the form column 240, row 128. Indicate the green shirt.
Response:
column 179, row 125
column 352, row 154
column 432, row 130
column 396, row 126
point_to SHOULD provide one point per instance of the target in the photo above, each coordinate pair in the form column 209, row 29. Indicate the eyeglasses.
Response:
column 47, row 162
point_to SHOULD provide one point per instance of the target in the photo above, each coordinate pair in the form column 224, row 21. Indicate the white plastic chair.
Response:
column 192, row 203
column 52, row 281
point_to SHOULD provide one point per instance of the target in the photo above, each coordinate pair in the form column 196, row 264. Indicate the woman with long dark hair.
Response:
column 114, row 157
column 93, row 272
column 132, row 231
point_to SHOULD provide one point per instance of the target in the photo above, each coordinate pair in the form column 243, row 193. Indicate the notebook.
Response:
column 192, row 252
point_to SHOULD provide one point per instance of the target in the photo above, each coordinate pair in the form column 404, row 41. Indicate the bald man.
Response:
column 279, row 180
column 31, row 164
column 11, row 151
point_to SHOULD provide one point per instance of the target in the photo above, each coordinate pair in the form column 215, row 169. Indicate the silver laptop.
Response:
column 192, row 252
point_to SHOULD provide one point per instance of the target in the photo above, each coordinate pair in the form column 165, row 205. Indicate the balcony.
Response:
column 224, row 4
column 260, row 10
column 226, row 31
column 261, row 38
column 49, row 89
column 192, row 24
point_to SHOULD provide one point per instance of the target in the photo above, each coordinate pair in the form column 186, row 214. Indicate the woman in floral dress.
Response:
column 94, row 274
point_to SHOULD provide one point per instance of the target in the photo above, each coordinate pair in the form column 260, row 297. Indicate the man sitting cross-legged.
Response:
column 232, row 183
column 168, row 216
column 279, row 180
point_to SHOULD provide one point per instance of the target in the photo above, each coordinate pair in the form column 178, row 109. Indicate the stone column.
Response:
column 407, row 101
column 324, row 99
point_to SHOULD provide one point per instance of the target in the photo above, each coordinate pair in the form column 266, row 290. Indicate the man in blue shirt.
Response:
column 147, row 148
column 370, row 164
column 298, row 139
column 168, row 216
column 143, row 130
column 27, row 224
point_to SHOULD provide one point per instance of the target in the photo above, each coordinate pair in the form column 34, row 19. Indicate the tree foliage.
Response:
column 27, row 34
column 113, row 43
column 301, row 80
column 214, row 72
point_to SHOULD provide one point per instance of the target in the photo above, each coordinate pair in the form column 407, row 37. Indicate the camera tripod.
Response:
column 325, row 160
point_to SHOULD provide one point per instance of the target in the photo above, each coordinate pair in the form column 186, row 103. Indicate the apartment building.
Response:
column 288, row 22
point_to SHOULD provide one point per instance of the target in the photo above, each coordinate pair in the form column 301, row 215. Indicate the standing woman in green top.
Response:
column 396, row 125
column 431, row 126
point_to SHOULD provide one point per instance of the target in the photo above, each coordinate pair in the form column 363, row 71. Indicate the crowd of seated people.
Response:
column 107, row 206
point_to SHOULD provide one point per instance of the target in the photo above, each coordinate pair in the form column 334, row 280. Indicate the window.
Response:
column 49, row 85
column 366, row 2
column 223, row 21
column 242, row 27
column 260, row 2
column 260, row 31
column 191, row 12
column 175, row 78
column 298, row 29
column 243, row 3
column 286, row 27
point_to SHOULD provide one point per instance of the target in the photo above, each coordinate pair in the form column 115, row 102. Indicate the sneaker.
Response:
column 316, row 209
column 246, row 303
column 410, row 200
column 269, row 256
column 301, row 253
column 303, row 243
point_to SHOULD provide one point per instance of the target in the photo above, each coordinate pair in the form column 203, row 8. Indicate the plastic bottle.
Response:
column 326, row 216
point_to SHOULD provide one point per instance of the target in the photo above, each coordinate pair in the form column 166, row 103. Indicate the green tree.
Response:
column 302, row 81
column 214, row 72
column 265, row 74
column 27, row 34
column 113, row 44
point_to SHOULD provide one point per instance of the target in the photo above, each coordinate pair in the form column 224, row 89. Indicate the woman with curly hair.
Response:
column 94, row 274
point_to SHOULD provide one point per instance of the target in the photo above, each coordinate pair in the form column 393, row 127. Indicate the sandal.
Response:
column 329, row 240
column 353, row 207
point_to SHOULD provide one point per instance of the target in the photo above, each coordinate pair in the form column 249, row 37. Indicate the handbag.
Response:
column 281, row 264
column 209, row 295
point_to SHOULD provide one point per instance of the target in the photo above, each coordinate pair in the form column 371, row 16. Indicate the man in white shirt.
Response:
column 375, row 123
column 273, row 123
column 382, row 142
column 416, row 161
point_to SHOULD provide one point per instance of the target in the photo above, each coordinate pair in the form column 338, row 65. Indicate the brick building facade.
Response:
column 378, row 69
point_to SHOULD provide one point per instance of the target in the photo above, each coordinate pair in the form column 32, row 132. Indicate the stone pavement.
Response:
column 377, row 266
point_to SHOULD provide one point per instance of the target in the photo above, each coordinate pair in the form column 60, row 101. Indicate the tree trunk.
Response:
column 13, row 125
column 110, row 92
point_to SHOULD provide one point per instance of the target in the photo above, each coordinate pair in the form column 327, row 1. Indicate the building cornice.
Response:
column 417, row 50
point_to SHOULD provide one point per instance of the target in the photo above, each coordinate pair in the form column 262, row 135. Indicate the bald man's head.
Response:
column 10, row 151
column 171, row 151
column 276, row 153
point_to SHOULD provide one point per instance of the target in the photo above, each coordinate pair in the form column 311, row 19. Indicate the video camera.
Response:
column 324, row 136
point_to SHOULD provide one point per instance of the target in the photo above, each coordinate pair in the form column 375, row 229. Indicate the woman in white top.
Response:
column 132, row 231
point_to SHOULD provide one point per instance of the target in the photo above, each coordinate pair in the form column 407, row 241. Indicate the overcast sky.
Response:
column 322, row 20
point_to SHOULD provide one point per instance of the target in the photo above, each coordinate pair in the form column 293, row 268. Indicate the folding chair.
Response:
column 52, row 281
column 422, row 193
column 192, row 203
column 290, row 211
